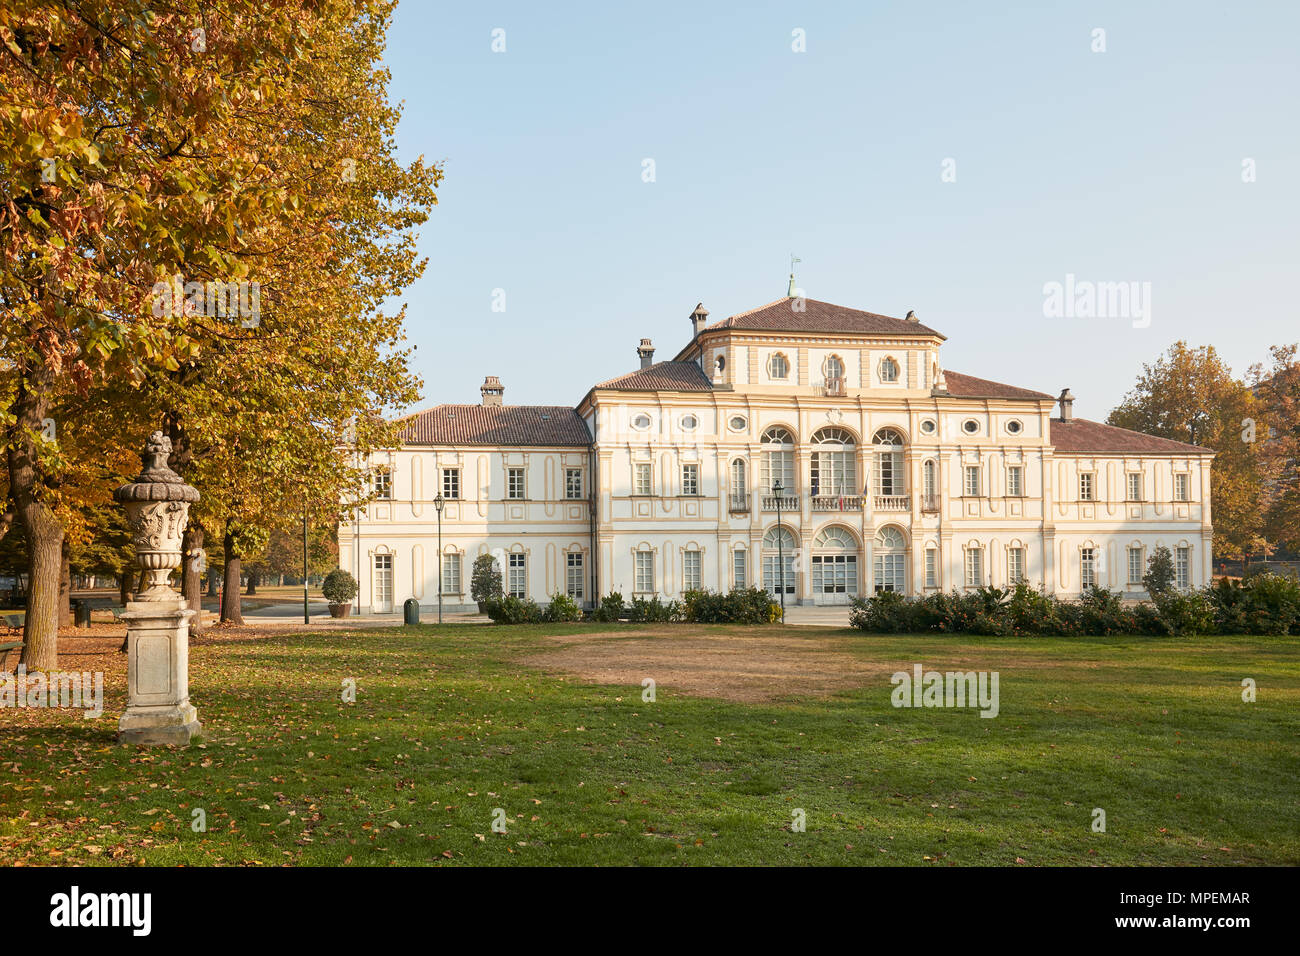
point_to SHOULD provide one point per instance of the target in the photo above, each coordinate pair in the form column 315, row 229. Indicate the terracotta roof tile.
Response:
column 496, row 425
column 968, row 386
column 1080, row 436
column 662, row 376
column 779, row 316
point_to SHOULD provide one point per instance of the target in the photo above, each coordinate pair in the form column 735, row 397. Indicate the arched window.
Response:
column 835, row 537
column 778, row 561
column 834, row 369
column 930, row 478
column 778, row 459
column 889, row 476
column 778, row 366
column 889, row 560
column 888, row 370
column 834, row 463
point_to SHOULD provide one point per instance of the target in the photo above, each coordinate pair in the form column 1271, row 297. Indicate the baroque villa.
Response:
column 801, row 446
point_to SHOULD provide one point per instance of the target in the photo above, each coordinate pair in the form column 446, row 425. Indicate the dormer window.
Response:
column 778, row 366
column 888, row 370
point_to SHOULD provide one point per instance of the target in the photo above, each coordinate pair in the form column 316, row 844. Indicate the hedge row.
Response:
column 741, row 606
column 1264, row 603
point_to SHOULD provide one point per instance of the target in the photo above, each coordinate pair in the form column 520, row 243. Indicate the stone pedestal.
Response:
column 158, row 708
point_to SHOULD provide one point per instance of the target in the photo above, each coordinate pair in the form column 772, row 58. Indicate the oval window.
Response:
column 690, row 423
column 738, row 423
column 1014, row 427
column 970, row 426
column 641, row 421
column 927, row 427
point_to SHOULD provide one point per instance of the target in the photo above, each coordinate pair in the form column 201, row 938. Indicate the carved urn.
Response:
column 157, row 507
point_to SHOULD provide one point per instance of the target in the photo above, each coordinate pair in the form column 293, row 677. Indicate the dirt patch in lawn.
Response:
column 767, row 665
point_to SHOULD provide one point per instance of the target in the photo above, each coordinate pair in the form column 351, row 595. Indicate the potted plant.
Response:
column 339, row 589
column 485, row 581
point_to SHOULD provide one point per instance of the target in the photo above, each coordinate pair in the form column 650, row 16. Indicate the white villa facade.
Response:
column 801, row 446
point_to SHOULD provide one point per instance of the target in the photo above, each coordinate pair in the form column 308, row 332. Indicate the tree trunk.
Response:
column 124, row 587
column 212, row 582
column 231, row 612
column 253, row 580
column 65, row 587
column 44, row 530
column 191, row 576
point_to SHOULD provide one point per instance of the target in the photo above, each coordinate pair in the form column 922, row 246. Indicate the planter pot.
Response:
column 482, row 607
column 340, row 610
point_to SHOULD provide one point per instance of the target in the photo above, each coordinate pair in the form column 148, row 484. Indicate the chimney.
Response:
column 698, row 318
column 1067, row 405
column 492, row 390
column 647, row 353
column 911, row 317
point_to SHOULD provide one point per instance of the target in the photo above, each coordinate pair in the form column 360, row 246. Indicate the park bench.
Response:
column 5, row 648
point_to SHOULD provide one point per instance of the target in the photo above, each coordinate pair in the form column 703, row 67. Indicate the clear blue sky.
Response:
column 1115, row 166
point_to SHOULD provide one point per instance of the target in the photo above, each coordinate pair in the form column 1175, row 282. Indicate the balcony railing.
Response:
column 788, row 502
column 892, row 502
column 930, row 504
column 738, row 504
column 836, row 503
column 834, row 388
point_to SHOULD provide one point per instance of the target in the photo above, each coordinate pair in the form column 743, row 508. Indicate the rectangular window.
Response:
column 1015, row 481
column 515, row 483
column 1134, row 483
column 451, row 574
column 690, row 479
column 931, row 568
column 573, row 483
column 517, row 577
column 574, row 575
column 740, row 574
column 1134, row 565
column 690, row 570
column 1015, row 565
column 889, row 473
column 382, row 482
column 1183, row 567
column 1086, row 487
column 972, row 480
column 1182, row 487
column 640, row 479
column 974, row 567
column 451, row 483
column 645, row 572
column 1087, row 568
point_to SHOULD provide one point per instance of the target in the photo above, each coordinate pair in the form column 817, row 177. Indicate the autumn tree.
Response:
column 1277, row 387
column 1189, row 395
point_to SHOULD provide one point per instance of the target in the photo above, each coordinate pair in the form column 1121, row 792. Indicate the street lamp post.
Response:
column 777, row 489
column 438, row 504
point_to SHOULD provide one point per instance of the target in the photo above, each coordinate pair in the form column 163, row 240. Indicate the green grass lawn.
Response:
column 447, row 728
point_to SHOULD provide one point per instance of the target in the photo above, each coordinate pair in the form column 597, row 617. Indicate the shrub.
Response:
column 512, row 610
column 654, row 611
column 339, row 587
column 1185, row 612
column 740, row 606
column 1102, row 611
column 562, row 608
column 485, row 581
column 1262, row 603
column 610, row 608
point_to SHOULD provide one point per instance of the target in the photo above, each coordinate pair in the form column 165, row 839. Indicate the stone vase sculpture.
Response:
column 158, row 708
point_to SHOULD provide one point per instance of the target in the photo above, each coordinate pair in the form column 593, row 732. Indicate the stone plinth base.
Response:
column 158, row 709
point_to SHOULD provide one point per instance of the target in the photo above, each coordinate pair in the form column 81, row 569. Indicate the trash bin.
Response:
column 411, row 611
column 81, row 613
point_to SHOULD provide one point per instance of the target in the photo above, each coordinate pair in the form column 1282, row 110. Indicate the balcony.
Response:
column 738, row 504
column 836, row 503
column 787, row 502
column 930, row 504
column 892, row 503
column 834, row 388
